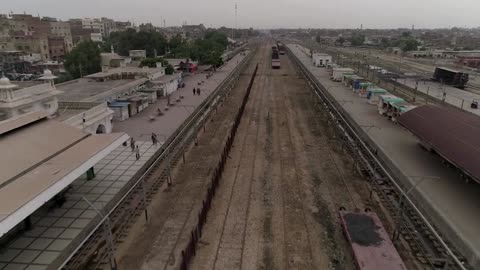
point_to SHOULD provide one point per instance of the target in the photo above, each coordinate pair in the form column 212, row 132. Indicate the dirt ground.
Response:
column 277, row 204
column 157, row 244
column 278, row 200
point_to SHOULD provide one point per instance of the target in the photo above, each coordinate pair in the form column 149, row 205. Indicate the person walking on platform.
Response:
column 132, row 144
column 137, row 152
column 198, row 91
column 154, row 139
column 194, row 91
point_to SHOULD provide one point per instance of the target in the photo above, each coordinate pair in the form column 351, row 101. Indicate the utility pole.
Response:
column 236, row 17
column 235, row 26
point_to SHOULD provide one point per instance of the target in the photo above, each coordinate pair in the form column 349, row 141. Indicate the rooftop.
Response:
column 85, row 89
column 452, row 134
column 166, row 78
column 49, row 155
column 125, row 71
column 69, row 109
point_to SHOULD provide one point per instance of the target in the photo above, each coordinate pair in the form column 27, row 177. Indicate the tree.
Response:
column 317, row 39
column 84, row 59
column 340, row 40
column 130, row 39
column 152, row 62
column 357, row 40
column 384, row 42
column 409, row 45
column 207, row 50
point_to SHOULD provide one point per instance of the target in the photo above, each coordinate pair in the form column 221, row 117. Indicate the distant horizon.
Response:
column 266, row 14
column 255, row 28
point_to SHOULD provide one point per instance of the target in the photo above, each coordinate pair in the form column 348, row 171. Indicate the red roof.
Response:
column 453, row 134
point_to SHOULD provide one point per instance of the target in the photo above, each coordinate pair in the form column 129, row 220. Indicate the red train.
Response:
column 371, row 246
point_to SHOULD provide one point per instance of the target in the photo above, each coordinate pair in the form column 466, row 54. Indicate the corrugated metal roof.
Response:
column 453, row 134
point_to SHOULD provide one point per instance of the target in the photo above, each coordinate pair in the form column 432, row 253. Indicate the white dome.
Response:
column 4, row 81
column 48, row 75
column 47, row 72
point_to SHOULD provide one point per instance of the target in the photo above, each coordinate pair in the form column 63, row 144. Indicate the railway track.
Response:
column 238, row 209
column 259, row 218
column 97, row 248
column 294, row 208
column 338, row 186
column 425, row 241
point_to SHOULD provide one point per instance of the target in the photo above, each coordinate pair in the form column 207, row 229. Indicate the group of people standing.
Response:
column 135, row 147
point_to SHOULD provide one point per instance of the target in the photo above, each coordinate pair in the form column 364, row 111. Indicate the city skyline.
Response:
column 281, row 14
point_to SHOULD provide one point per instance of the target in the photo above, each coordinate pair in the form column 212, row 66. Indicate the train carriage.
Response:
column 371, row 246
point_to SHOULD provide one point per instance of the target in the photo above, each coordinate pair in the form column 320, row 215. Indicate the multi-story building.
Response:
column 35, row 26
column 109, row 26
column 95, row 24
column 97, row 37
column 79, row 34
column 194, row 31
column 30, row 35
column 56, row 47
column 5, row 40
column 122, row 26
column 18, row 27
column 62, row 29
column 147, row 27
column 33, row 44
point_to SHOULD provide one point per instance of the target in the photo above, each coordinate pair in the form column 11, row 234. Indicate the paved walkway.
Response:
column 55, row 228
column 451, row 204
column 454, row 96
column 141, row 127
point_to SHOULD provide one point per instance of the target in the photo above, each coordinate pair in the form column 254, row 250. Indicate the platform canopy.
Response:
column 40, row 158
column 453, row 134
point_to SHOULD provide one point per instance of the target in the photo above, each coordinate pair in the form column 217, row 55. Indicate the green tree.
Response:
column 409, row 44
column 130, row 39
column 385, row 42
column 357, row 40
column 317, row 39
column 84, row 59
column 340, row 40
column 63, row 78
column 207, row 50
column 152, row 62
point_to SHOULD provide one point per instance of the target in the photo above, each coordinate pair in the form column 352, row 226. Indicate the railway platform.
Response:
column 57, row 231
column 439, row 191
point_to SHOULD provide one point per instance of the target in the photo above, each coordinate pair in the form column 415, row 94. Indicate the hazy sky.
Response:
column 265, row 13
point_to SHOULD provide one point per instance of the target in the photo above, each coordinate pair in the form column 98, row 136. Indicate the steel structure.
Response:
column 94, row 249
column 425, row 241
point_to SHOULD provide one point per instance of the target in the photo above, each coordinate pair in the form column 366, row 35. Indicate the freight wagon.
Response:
column 275, row 58
column 371, row 246
column 281, row 48
column 450, row 77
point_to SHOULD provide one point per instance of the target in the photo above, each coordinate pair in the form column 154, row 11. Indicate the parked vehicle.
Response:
column 451, row 77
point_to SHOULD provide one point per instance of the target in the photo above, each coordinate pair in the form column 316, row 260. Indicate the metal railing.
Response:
column 196, row 234
column 93, row 111
column 169, row 151
column 370, row 162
